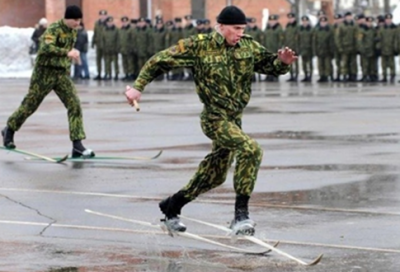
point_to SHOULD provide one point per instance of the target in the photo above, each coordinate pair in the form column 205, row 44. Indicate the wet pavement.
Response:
column 328, row 183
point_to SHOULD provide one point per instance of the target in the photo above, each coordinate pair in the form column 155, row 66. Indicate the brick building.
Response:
column 26, row 13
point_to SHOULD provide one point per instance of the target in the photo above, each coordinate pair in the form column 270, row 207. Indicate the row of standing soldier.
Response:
column 333, row 45
column 137, row 41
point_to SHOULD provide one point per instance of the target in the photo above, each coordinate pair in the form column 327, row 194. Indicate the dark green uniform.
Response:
column 388, row 46
column 111, row 49
column 323, row 43
column 52, row 72
column 306, row 49
column 336, row 55
column 125, row 40
column 366, row 47
column 222, row 76
column 97, row 41
column 347, row 47
column 273, row 39
column 292, row 41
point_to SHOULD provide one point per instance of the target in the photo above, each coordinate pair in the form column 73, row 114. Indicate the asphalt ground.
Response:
column 328, row 183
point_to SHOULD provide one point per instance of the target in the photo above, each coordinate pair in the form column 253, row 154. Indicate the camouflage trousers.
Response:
column 387, row 62
column 127, row 64
column 45, row 79
column 111, row 59
column 325, row 66
column 228, row 142
column 348, row 64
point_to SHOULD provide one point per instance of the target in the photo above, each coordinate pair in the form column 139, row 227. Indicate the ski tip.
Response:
column 158, row 155
column 63, row 159
column 317, row 260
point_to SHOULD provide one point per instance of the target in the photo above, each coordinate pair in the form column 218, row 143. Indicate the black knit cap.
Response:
column 232, row 15
column 73, row 12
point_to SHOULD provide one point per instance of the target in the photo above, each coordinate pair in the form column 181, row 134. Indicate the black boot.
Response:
column 8, row 138
column 242, row 224
column 392, row 77
column 384, row 79
column 79, row 151
column 171, row 208
column 98, row 77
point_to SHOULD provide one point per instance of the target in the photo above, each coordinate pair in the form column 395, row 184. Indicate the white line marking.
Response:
column 223, row 237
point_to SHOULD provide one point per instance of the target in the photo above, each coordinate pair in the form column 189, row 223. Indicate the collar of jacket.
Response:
column 220, row 39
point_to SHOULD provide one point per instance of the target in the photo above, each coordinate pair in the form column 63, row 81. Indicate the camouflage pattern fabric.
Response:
column 45, row 79
column 98, row 42
column 52, row 72
column 222, row 76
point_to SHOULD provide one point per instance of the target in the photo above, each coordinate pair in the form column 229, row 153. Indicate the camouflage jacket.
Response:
column 222, row 73
column 55, row 44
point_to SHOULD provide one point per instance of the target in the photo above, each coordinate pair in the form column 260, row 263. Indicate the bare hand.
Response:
column 287, row 55
column 74, row 54
column 133, row 96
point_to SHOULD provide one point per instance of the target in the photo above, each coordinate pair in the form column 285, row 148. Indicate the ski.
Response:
column 105, row 158
column 258, row 242
column 36, row 156
column 183, row 234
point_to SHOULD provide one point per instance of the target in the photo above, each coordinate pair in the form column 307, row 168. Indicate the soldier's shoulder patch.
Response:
column 48, row 38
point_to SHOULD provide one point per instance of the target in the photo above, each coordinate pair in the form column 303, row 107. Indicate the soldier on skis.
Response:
column 223, row 63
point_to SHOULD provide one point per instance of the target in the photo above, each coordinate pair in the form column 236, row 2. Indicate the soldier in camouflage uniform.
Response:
column 273, row 39
column 337, row 56
column 52, row 72
column 323, row 48
column 388, row 45
column 366, row 47
column 305, row 48
column 291, row 35
column 223, row 63
column 347, row 46
column 111, row 48
column 125, row 40
column 360, row 20
column 97, row 41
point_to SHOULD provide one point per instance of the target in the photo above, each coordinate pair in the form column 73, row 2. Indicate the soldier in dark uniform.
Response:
column 97, row 41
column 142, row 41
column 223, row 63
column 125, row 40
column 52, row 72
column 388, row 44
column 132, row 49
column 207, row 26
column 257, row 34
column 347, row 46
column 360, row 20
column 291, row 35
column 158, row 40
column 305, row 48
column 366, row 47
column 176, row 35
column 323, row 47
column 338, row 19
column 273, row 39
column 378, row 53
column 111, row 48
column 199, row 26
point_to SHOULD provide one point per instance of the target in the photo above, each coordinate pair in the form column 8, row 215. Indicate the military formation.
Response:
column 136, row 41
column 341, row 49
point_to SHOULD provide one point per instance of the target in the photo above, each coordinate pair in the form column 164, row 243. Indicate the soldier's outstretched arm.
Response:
column 180, row 55
column 266, row 62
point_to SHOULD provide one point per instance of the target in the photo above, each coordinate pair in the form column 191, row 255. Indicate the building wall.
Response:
column 14, row 12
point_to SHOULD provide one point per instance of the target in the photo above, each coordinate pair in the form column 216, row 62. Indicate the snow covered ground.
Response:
column 15, row 61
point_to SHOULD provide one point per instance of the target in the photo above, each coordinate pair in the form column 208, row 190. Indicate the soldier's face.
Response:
column 232, row 33
column 73, row 23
